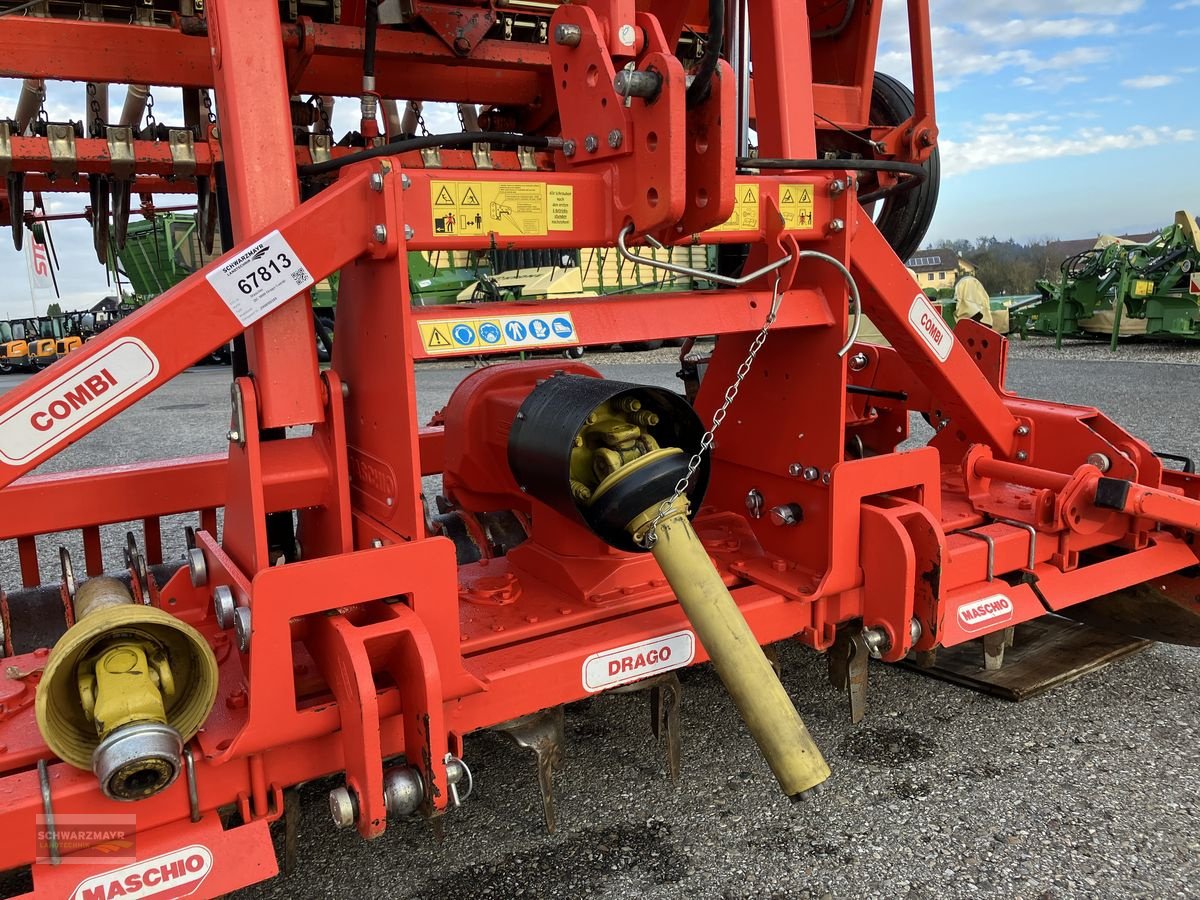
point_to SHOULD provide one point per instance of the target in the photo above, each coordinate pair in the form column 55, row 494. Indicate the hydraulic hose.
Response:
column 456, row 139
column 701, row 85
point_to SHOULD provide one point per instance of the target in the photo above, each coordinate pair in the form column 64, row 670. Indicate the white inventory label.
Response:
column 265, row 276
column 633, row 662
column 74, row 399
column 930, row 327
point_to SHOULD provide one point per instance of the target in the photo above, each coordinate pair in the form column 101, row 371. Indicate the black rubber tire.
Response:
column 906, row 215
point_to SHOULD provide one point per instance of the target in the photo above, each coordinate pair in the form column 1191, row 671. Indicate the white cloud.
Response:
column 1149, row 82
column 1006, row 145
column 1185, row 4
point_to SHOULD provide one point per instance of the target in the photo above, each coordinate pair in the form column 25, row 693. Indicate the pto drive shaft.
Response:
column 736, row 655
column 611, row 455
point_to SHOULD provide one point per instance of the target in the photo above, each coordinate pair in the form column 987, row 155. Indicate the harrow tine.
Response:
column 848, row 661
column 665, row 699
column 666, row 695
column 994, row 645
column 541, row 732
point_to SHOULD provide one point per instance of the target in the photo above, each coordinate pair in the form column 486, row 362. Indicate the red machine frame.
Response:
column 376, row 644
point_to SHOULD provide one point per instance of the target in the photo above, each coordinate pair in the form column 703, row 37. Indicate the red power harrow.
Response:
column 592, row 536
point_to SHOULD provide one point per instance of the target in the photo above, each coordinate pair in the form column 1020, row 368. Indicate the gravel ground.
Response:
column 1089, row 791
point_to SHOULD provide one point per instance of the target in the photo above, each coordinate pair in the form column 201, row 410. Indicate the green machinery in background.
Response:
column 1121, row 289
column 162, row 251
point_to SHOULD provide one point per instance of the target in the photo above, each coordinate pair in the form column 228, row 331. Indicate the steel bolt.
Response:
column 754, row 504
column 859, row 361
column 591, row 144
column 626, row 35
column 403, row 791
column 197, row 567
column 462, row 45
column 826, row 478
column 810, row 473
column 836, row 225
column 1022, row 456
column 568, row 148
column 615, row 138
column 380, row 234
column 568, row 35
column 795, row 470
column 409, row 233
column 343, row 807
column 1023, row 431
column 632, row 83
column 877, row 641
column 1100, row 461
column 405, row 182
column 224, row 606
column 787, row 515
column 377, row 183
column 233, row 436
column 241, row 626
column 915, row 630
column 837, row 186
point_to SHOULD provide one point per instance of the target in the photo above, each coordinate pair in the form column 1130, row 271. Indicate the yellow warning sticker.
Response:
column 796, row 204
column 525, row 332
column 476, row 208
column 745, row 211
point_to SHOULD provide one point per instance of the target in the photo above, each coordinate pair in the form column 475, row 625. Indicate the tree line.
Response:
column 1009, row 267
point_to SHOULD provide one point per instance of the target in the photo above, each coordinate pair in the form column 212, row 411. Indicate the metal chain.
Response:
column 706, row 442
column 94, row 104
column 322, row 123
column 151, row 122
column 206, row 99
column 418, row 109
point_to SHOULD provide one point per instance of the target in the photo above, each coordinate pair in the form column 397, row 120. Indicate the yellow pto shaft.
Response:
column 739, row 660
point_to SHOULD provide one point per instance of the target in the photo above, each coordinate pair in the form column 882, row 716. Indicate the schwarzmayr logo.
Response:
column 249, row 256
column 83, row 838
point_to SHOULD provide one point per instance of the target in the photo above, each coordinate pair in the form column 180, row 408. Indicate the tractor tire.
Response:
column 6, row 367
column 904, row 216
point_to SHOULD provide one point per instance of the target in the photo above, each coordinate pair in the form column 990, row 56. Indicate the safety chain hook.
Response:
column 651, row 533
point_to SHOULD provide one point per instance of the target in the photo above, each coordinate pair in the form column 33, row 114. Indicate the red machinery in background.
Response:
column 593, row 534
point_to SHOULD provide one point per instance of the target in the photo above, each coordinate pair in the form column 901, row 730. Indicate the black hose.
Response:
column 404, row 145
column 372, row 33
column 916, row 172
column 701, row 85
column 839, row 27
column 21, row 8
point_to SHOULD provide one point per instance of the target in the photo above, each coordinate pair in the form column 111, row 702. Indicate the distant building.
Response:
column 1060, row 250
column 939, row 268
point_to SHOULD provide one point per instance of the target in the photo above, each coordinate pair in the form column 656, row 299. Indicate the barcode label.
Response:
column 261, row 278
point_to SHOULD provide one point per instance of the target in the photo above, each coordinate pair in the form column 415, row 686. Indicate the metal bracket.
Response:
column 237, row 421
column 62, row 148
column 431, row 157
column 136, row 563
column 183, row 152
column 189, row 768
column 6, row 151
column 120, row 151
column 527, row 157
column 1033, row 536
column 991, row 550
column 48, row 810
column 318, row 147
column 482, row 154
